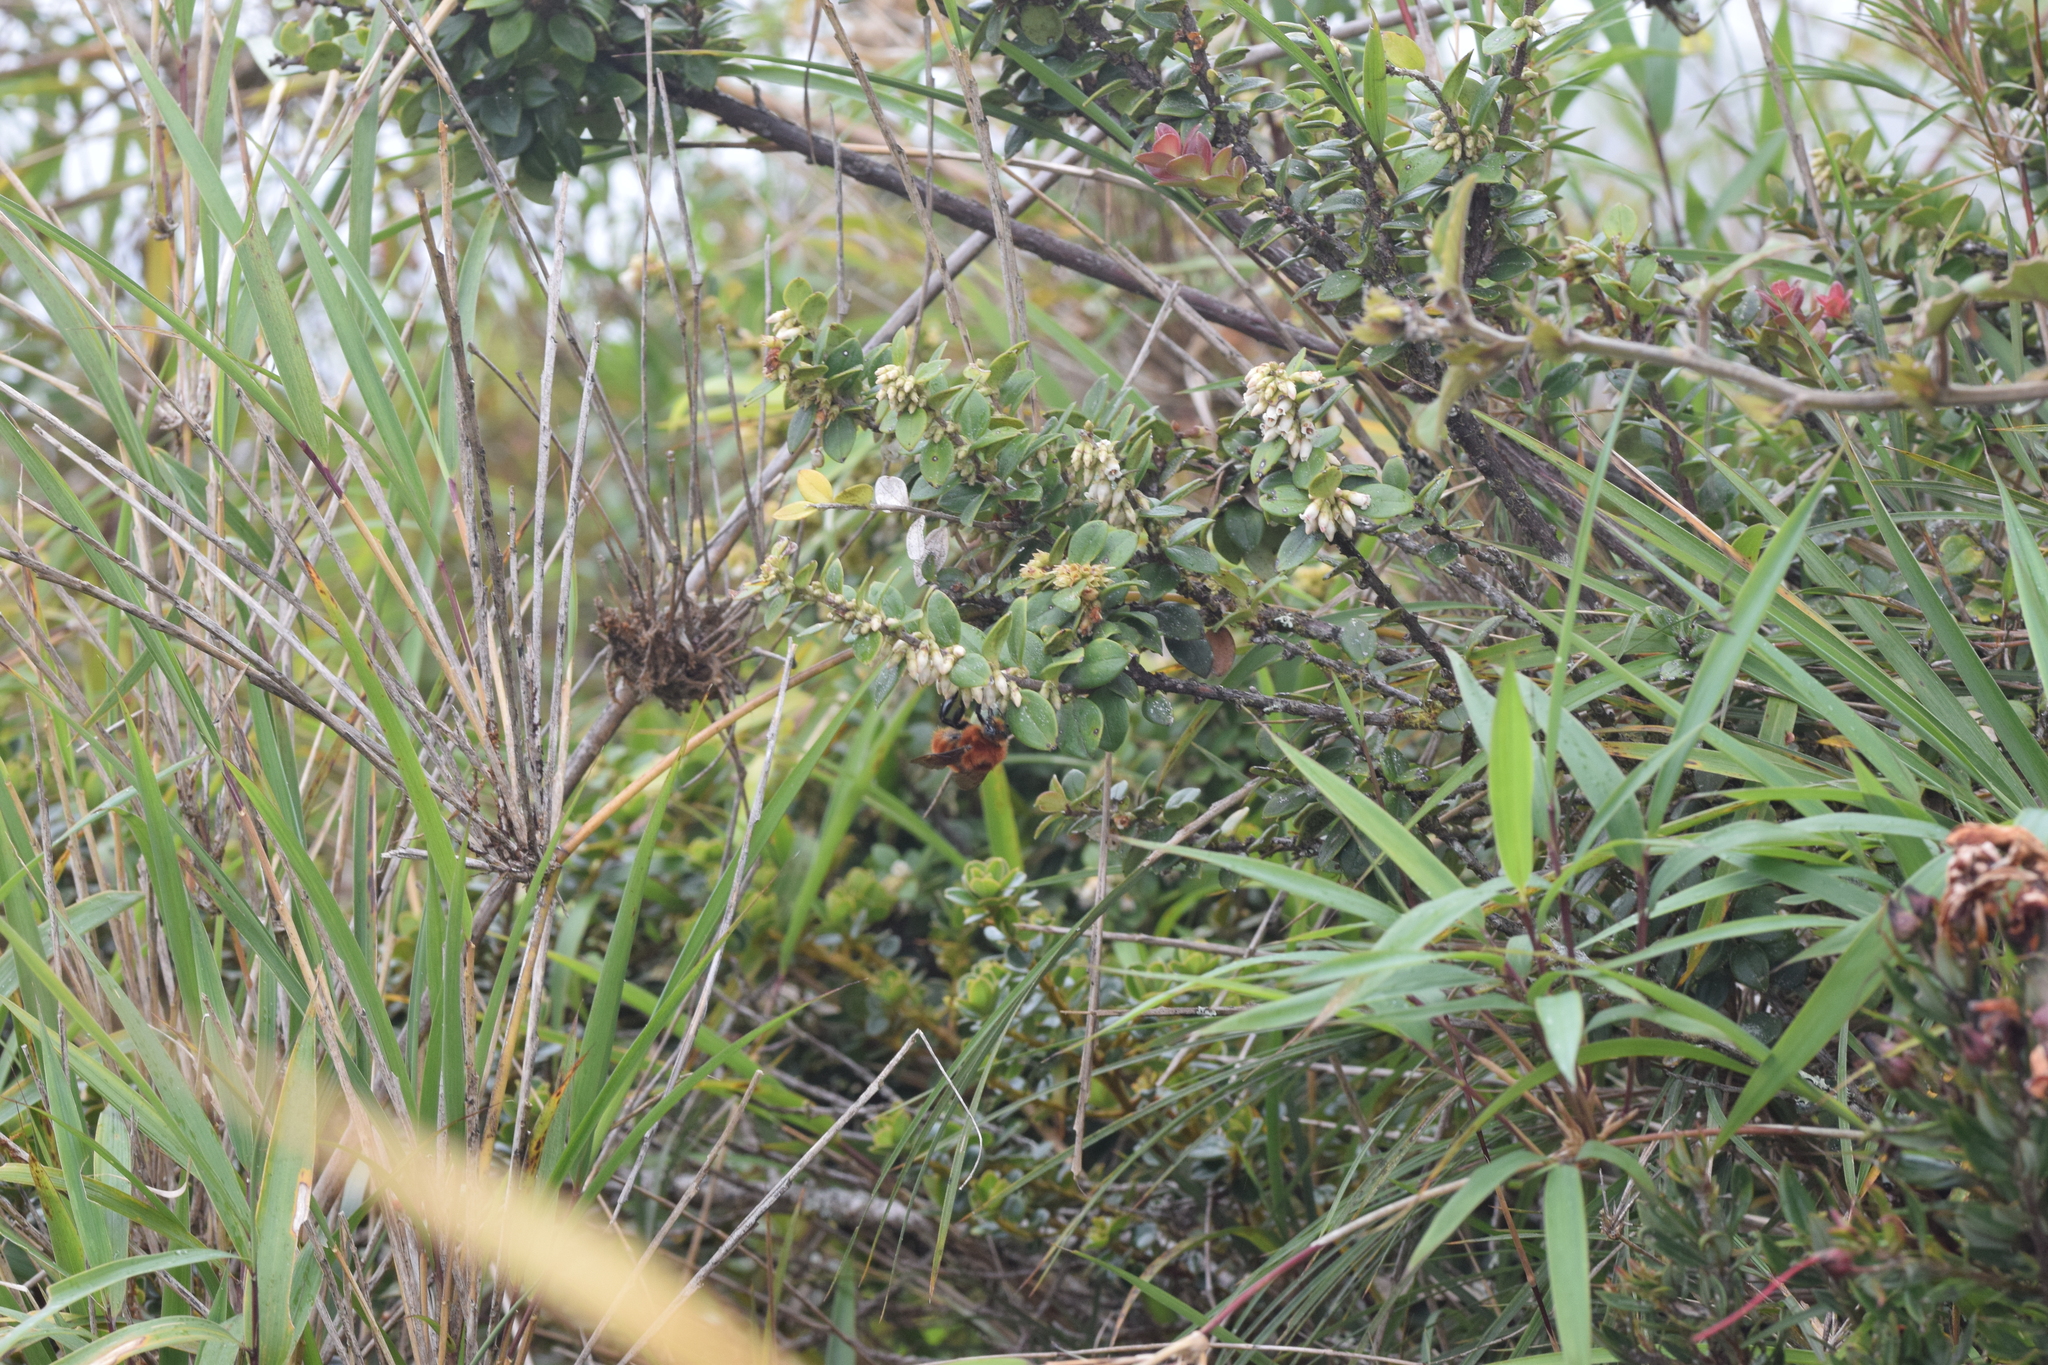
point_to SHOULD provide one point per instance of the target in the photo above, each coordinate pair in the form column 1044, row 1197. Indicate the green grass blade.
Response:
column 1856, row 974
column 198, row 987
column 1314, row 889
column 1725, row 656
column 999, row 818
column 254, row 249
column 601, row 1020
column 2030, row 578
column 287, row 1164
column 66, row 1292
column 2018, row 742
column 1562, row 1017
column 864, row 753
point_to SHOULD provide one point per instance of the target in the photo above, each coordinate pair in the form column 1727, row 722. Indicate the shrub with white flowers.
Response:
column 1275, row 394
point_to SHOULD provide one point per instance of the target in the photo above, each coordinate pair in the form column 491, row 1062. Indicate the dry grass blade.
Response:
column 582, row 1272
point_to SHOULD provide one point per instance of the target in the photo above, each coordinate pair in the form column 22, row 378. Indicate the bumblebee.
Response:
column 970, row 747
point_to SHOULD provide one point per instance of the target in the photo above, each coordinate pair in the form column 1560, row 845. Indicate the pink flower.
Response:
column 1786, row 296
column 1195, row 154
column 1193, row 161
column 1789, row 300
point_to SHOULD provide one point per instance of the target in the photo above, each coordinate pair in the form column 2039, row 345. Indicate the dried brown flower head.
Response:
column 1997, row 885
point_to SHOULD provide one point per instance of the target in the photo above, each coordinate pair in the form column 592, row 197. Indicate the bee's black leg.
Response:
column 953, row 711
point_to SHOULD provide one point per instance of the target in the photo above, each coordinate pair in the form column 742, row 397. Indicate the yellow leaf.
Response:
column 1716, row 911
column 1755, row 407
column 859, row 494
column 1384, row 320
column 1426, row 429
column 814, row 485
column 794, row 511
column 1401, row 51
column 1911, row 379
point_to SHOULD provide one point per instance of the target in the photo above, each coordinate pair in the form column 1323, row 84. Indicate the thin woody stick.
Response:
column 654, row 770
column 1087, row 1073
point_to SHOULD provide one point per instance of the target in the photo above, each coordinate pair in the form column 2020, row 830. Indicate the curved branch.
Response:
column 1796, row 398
column 1259, row 701
column 972, row 213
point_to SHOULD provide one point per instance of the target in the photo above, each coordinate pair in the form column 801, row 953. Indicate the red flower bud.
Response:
column 1977, row 1047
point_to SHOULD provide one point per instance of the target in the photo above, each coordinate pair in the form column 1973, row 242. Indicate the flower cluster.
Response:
column 1040, row 569
column 1789, row 299
column 1100, row 475
column 858, row 618
column 994, row 695
column 1275, row 397
column 784, row 330
column 1334, row 512
column 1838, row 155
column 1096, row 466
column 867, row 621
column 928, row 662
column 896, row 387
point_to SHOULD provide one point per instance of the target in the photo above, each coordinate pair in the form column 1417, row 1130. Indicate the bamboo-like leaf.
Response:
column 394, row 462
column 1294, row 881
column 1332, row 83
column 152, row 1334
column 192, row 961
column 2030, row 578
column 357, row 969
column 361, row 288
column 84, row 342
column 1511, row 784
column 254, row 250
column 1479, row 1187
column 152, row 1090
column 1569, row 1263
column 59, row 494
column 83, row 917
column 1409, row 853
column 434, row 830
column 1562, row 1017
column 1913, row 694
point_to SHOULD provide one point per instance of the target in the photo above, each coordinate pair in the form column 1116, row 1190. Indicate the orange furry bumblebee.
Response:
column 972, row 751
